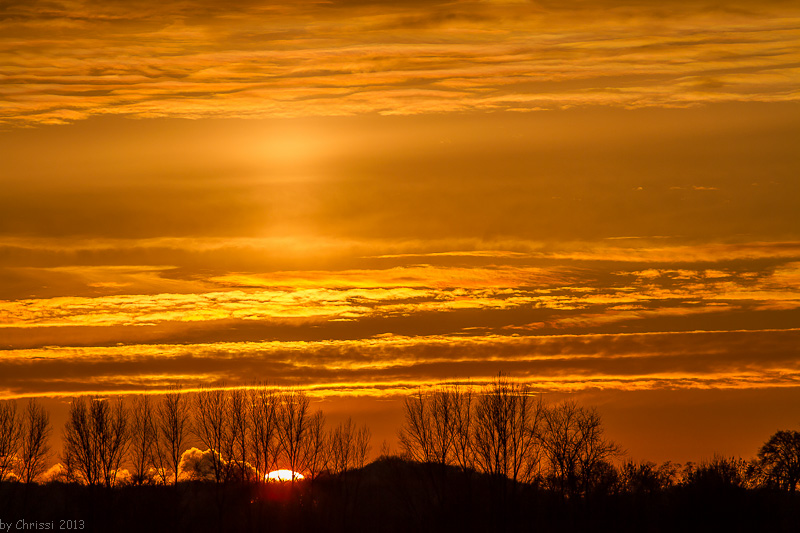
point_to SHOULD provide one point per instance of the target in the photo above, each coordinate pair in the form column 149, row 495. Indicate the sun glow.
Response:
column 283, row 475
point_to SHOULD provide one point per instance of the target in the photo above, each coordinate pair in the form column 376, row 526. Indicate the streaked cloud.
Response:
column 92, row 255
column 566, row 362
column 564, row 322
column 66, row 61
column 399, row 290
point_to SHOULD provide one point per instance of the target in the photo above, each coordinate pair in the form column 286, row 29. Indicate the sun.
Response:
column 283, row 475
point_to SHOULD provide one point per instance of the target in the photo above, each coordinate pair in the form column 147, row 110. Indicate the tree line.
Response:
column 246, row 433
column 503, row 430
column 24, row 441
column 506, row 431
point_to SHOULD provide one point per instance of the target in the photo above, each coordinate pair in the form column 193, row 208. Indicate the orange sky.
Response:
column 599, row 198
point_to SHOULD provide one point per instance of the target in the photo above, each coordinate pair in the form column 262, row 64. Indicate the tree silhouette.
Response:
column 719, row 473
column 264, row 434
column 463, row 448
column 172, row 427
column 416, row 433
column 293, row 425
column 143, row 441
column 10, row 435
column 482, row 454
column 507, row 431
column 316, row 446
column 780, row 459
column 348, row 447
column 35, row 446
column 575, row 447
column 95, row 439
column 211, row 427
column 342, row 447
column 363, row 446
column 236, row 448
column 646, row 477
column 437, row 433
column 437, row 426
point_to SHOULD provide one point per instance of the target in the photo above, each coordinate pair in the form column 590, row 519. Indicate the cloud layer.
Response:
column 689, row 317
column 65, row 61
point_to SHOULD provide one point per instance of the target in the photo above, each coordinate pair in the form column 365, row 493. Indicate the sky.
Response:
column 598, row 198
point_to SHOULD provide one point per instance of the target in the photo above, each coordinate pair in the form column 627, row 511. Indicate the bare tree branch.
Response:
column 575, row 447
column 95, row 440
column 143, row 439
column 10, row 436
column 293, row 418
column 35, row 447
column 263, row 421
column 506, row 429
column 316, row 446
column 211, row 426
column 172, row 429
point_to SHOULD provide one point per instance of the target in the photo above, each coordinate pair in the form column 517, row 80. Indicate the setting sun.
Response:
column 284, row 475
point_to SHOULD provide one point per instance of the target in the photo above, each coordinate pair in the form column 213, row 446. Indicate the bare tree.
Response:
column 563, row 440
column 211, row 427
column 95, row 440
column 437, row 426
column 575, row 447
column 292, row 414
column 416, row 434
column 172, row 429
column 236, row 447
column 596, row 451
column 143, row 439
column 348, row 447
column 506, row 434
column 110, row 422
column 263, row 421
column 35, row 441
column 362, row 446
column 342, row 447
column 80, row 453
column 463, row 437
column 10, row 436
column 444, row 423
column 437, row 432
column 316, row 446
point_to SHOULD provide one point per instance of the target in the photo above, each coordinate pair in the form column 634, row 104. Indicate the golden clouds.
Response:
column 294, row 301
column 391, row 364
column 610, row 317
column 472, row 280
column 69, row 256
column 64, row 62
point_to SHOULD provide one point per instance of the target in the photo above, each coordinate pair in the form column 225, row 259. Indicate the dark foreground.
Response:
column 393, row 496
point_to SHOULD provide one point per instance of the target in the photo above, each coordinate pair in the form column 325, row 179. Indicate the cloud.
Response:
column 189, row 61
column 391, row 363
column 119, row 260
column 319, row 296
column 196, row 465
column 123, row 476
column 56, row 473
